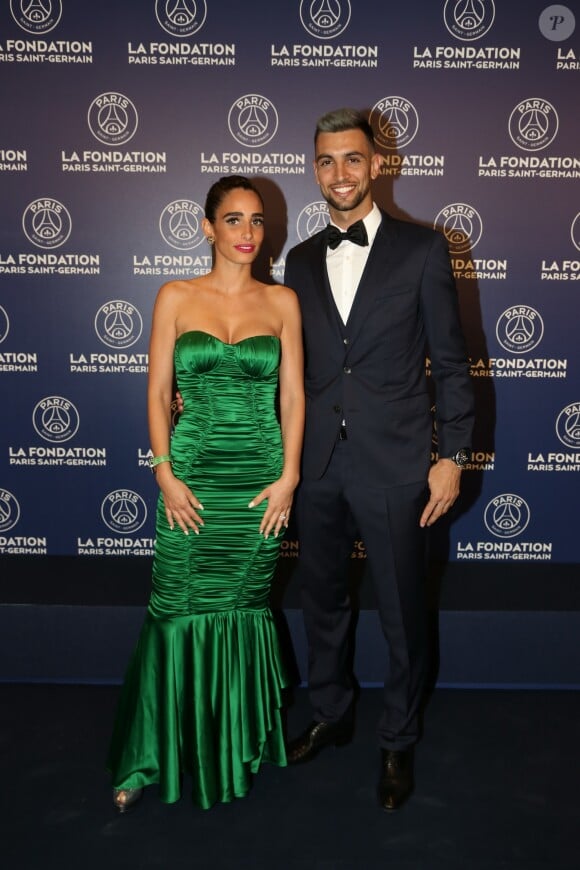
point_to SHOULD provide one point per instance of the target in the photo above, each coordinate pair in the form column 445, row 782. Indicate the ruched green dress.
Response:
column 202, row 694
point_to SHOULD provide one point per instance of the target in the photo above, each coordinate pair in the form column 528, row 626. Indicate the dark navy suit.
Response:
column 370, row 373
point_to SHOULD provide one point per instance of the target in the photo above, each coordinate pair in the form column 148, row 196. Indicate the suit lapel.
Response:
column 373, row 277
column 322, row 285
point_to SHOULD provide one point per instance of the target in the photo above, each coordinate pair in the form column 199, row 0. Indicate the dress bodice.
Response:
column 229, row 393
column 198, row 353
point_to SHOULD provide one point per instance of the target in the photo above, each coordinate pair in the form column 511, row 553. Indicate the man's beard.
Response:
column 350, row 206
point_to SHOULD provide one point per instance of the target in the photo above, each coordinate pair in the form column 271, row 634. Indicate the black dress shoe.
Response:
column 316, row 737
column 396, row 781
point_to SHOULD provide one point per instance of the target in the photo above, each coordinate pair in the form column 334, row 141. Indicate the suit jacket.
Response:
column 371, row 371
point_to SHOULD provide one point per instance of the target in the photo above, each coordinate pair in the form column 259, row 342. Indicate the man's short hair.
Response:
column 344, row 119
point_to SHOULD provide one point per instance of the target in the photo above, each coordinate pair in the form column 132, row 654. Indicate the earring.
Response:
column 210, row 240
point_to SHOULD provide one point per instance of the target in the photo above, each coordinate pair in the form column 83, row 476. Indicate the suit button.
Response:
column 337, row 409
column 347, row 370
column 345, row 340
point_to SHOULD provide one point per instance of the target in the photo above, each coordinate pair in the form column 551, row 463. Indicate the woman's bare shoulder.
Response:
column 280, row 293
column 179, row 292
column 178, row 288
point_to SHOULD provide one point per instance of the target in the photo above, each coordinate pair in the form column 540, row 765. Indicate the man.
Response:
column 374, row 302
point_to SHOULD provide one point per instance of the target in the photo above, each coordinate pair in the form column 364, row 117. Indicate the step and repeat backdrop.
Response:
column 115, row 120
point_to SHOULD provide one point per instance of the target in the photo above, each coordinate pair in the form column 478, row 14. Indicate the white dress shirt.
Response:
column 346, row 263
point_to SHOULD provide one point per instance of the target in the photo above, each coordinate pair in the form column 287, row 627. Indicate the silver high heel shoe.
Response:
column 125, row 799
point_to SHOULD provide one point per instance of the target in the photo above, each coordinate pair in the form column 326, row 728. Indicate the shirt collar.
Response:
column 372, row 222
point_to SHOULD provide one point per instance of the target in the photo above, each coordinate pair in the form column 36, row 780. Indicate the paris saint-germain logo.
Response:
column 312, row 219
column 533, row 124
column 112, row 118
column 181, row 18
column 568, row 425
column 46, row 223
column 506, row 515
column 462, row 226
column 253, row 120
column 36, row 16
column 4, row 324
column 575, row 232
column 55, row 419
column 325, row 19
column 519, row 329
column 395, row 122
column 180, row 224
column 118, row 324
column 123, row 511
column 9, row 510
column 468, row 19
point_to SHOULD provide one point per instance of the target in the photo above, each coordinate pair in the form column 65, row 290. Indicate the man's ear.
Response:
column 377, row 161
column 315, row 167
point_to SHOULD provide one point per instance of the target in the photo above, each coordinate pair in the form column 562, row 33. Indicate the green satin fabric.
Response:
column 202, row 693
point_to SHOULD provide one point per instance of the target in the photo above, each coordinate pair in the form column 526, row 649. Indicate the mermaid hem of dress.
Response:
column 202, row 696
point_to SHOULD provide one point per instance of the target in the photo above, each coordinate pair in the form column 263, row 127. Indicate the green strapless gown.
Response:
column 202, row 693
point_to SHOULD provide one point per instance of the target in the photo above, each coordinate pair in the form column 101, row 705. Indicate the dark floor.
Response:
column 498, row 786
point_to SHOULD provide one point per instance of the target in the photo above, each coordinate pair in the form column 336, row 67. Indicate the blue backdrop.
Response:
column 117, row 117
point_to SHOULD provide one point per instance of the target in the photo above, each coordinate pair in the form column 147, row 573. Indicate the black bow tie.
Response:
column 356, row 233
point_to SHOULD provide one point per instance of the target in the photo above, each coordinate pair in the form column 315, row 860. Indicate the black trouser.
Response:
column 329, row 512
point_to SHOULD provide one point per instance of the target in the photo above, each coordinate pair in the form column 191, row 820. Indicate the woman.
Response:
column 203, row 690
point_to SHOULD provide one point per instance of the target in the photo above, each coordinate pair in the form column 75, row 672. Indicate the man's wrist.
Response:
column 461, row 457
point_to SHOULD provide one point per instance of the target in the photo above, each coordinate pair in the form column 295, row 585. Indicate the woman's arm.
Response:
column 180, row 502
column 280, row 493
column 160, row 381
column 292, row 389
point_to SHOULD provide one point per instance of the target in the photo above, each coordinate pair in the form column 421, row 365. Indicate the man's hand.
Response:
column 443, row 482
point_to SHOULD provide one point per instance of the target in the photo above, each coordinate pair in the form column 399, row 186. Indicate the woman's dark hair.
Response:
column 220, row 190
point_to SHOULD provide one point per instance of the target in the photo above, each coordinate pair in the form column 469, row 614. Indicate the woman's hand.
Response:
column 277, row 514
column 181, row 504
